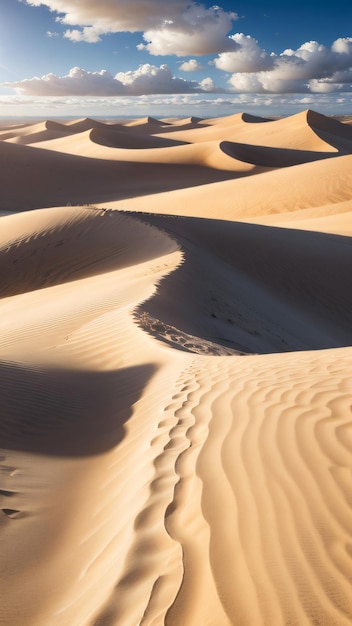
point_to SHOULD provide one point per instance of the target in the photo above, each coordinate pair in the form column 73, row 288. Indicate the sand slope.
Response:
column 175, row 390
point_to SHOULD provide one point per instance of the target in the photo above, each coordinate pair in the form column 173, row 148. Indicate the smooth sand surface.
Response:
column 176, row 372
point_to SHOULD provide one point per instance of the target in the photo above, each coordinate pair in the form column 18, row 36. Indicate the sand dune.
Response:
column 72, row 178
column 86, row 123
column 123, row 139
column 285, row 190
column 148, row 125
column 176, row 372
column 34, row 133
column 255, row 303
column 157, row 150
column 332, row 218
column 270, row 157
column 304, row 131
column 45, row 131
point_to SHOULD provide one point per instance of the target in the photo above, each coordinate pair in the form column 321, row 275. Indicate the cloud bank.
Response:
column 312, row 67
column 202, row 105
column 147, row 79
column 178, row 27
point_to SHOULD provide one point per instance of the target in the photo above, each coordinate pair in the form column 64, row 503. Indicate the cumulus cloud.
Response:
column 147, row 79
column 207, row 84
column 340, row 81
column 151, row 79
column 247, row 56
column 312, row 67
column 89, row 34
column 180, row 27
column 199, row 31
column 115, row 15
column 191, row 66
column 77, row 83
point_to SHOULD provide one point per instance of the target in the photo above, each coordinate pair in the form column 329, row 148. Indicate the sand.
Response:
column 176, row 360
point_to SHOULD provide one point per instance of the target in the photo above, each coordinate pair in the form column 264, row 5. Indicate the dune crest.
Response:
column 175, row 358
column 329, row 125
column 270, row 157
column 304, row 131
column 131, row 141
column 254, row 119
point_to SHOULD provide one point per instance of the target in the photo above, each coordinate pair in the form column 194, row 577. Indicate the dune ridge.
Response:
column 175, row 357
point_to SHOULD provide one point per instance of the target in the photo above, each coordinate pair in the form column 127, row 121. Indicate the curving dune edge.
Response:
column 176, row 314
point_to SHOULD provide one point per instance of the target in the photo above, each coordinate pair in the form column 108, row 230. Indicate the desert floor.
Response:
column 176, row 372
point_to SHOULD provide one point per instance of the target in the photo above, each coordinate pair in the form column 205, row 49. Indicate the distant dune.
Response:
column 176, row 361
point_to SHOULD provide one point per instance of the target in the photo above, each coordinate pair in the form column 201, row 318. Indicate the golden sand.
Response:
column 176, row 361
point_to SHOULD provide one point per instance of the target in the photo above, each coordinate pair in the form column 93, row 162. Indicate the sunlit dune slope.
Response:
column 61, row 245
column 48, row 130
column 47, row 178
column 333, row 218
column 283, row 190
column 34, row 133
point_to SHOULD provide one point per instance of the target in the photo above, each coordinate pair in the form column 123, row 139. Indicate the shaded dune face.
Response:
column 257, row 289
column 122, row 139
column 328, row 126
column 271, row 157
column 254, row 119
column 74, row 398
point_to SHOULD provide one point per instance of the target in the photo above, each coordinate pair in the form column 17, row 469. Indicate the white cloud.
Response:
column 180, row 27
column 191, row 66
column 151, row 79
column 246, row 57
column 89, row 34
column 343, row 45
column 115, row 15
column 323, row 86
column 312, row 67
column 147, row 79
column 207, row 84
column 199, row 31
column 340, row 81
column 246, row 83
column 77, row 83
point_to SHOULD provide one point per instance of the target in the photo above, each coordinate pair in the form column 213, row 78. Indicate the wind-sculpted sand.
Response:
column 176, row 372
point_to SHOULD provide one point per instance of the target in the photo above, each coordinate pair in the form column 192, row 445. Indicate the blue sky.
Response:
column 174, row 57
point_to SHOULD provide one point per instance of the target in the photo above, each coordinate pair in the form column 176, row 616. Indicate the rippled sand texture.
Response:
column 176, row 372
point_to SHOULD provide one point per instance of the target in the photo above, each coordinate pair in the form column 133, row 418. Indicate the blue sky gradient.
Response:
column 174, row 57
